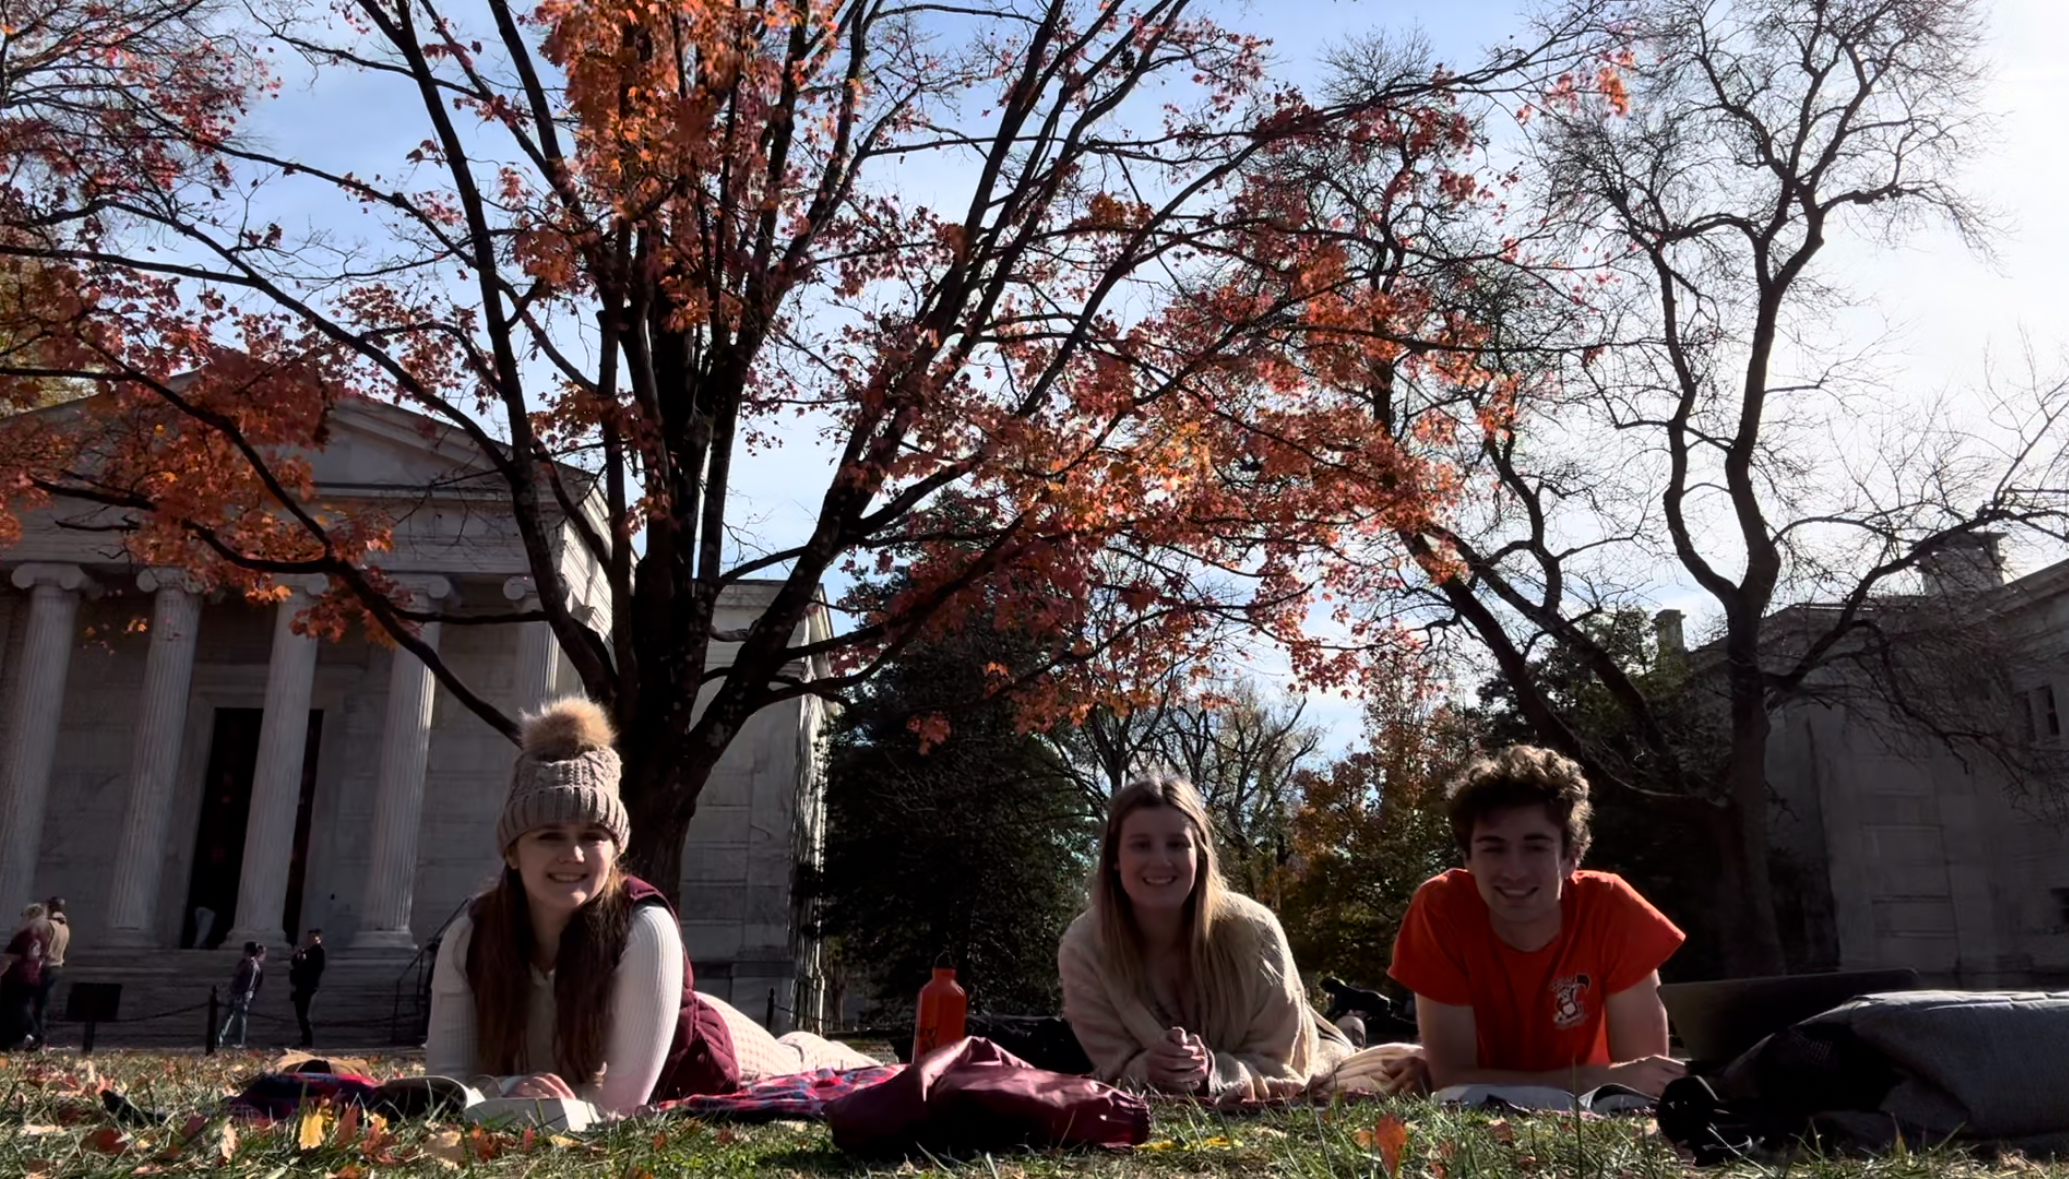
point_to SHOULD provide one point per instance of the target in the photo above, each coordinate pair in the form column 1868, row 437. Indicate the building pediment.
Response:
column 450, row 506
column 371, row 447
column 374, row 447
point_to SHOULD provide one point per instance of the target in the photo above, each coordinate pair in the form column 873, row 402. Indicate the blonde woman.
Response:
column 1176, row 984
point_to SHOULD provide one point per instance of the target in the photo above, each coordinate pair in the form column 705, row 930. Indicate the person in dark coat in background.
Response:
column 22, row 979
column 304, row 975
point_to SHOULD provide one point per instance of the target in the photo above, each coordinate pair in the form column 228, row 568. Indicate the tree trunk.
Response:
column 660, row 795
column 1757, row 947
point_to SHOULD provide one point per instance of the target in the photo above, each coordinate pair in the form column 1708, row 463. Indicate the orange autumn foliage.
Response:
column 627, row 246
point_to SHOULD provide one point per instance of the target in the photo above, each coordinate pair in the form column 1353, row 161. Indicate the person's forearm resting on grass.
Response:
column 1637, row 1047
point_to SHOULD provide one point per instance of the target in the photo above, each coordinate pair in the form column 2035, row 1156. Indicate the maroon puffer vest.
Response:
column 700, row 1056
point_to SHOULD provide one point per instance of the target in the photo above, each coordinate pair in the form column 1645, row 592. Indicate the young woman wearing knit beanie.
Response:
column 567, row 978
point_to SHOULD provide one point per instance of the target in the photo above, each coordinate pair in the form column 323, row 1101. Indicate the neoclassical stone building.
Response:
column 190, row 773
column 1906, row 855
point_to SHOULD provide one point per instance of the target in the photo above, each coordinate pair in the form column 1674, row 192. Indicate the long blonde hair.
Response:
column 1213, row 959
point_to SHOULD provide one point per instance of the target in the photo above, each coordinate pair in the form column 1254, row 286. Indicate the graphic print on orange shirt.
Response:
column 1570, row 1002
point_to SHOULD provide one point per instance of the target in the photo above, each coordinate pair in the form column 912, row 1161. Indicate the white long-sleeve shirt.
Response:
column 645, row 997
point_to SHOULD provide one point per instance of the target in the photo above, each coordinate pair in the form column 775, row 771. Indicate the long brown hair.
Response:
column 1213, row 971
column 499, row 971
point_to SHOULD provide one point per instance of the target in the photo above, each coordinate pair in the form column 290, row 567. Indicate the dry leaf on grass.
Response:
column 347, row 1132
column 445, row 1148
column 484, row 1145
column 312, row 1129
column 1387, row 1136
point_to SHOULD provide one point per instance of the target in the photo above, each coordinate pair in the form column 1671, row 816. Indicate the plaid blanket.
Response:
column 799, row 1095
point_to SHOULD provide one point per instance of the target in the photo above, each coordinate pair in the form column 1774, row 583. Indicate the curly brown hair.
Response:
column 1521, row 775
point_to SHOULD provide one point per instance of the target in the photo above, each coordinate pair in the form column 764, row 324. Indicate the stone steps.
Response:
column 165, row 1000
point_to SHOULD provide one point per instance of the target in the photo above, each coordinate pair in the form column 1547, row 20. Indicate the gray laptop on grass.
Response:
column 1717, row 1021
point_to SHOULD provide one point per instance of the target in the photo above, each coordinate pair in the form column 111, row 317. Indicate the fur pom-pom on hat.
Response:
column 567, row 773
column 567, row 728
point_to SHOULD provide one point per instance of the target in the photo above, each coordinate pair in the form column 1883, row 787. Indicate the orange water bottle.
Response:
column 942, row 1009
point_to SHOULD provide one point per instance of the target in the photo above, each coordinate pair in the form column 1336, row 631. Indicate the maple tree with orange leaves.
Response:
column 634, row 241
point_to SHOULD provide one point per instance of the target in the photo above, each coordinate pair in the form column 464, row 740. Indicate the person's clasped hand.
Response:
column 1649, row 1075
column 540, row 1086
column 1180, row 1062
column 1408, row 1073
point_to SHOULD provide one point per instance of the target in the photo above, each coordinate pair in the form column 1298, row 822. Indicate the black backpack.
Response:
column 1985, row 1069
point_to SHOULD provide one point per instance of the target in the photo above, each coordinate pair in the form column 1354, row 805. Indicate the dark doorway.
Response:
column 233, row 756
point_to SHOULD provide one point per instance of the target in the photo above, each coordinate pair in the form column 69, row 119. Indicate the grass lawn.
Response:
column 52, row 1124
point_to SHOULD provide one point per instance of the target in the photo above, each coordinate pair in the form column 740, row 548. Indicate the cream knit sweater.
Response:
column 645, row 996
column 1276, row 1036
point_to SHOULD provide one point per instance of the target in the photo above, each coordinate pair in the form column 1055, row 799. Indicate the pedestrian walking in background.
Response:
column 21, row 978
column 244, row 987
column 58, row 930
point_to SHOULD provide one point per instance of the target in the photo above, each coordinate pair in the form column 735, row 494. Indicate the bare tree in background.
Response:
column 1712, row 432
column 1243, row 748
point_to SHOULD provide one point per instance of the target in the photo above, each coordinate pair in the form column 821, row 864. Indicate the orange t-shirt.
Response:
column 1543, row 1010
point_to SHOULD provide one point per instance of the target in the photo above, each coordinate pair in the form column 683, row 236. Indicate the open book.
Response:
column 422, row 1096
column 1608, row 1099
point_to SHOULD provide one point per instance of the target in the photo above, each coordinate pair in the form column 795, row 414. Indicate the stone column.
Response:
column 384, row 920
column 276, row 782
column 154, row 759
column 33, row 723
column 537, row 650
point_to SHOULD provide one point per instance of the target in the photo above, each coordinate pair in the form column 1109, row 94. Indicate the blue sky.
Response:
column 1943, row 309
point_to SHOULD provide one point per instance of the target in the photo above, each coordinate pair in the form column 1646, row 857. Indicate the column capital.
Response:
column 306, row 585
column 160, row 578
column 423, row 587
column 518, row 588
column 69, row 577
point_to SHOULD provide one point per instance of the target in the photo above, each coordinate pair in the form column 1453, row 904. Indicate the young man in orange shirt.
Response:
column 1527, row 970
